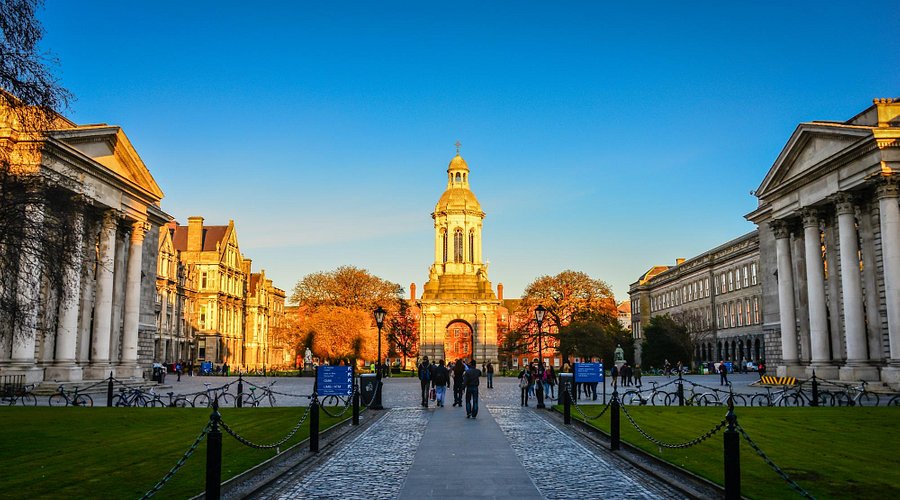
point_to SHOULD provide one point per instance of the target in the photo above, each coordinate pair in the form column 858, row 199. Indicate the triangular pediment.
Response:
column 811, row 146
column 110, row 147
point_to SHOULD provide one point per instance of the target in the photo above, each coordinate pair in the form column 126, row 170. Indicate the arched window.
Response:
column 471, row 246
column 444, row 243
column 458, row 177
column 458, row 245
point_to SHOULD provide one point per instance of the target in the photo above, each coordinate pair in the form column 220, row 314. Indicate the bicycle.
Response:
column 857, row 395
column 894, row 401
column 20, row 394
column 715, row 399
column 655, row 398
column 206, row 398
column 251, row 398
column 130, row 397
column 174, row 402
column 61, row 398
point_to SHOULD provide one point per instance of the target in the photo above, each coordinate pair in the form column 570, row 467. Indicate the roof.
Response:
column 457, row 198
column 211, row 236
column 457, row 163
column 625, row 307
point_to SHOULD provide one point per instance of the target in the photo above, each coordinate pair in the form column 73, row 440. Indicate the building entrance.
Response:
column 458, row 341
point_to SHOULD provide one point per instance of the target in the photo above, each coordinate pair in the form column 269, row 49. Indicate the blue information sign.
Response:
column 588, row 372
column 334, row 380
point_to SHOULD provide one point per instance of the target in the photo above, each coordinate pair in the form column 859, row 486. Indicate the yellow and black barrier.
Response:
column 769, row 380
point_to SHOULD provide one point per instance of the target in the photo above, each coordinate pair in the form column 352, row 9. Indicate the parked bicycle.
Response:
column 253, row 399
column 131, row 397
column 62, row 397
column 856, row 395
column 655, row 397
column 20, row 395
column 220, row 394
column 174, row 401
column 717, row 397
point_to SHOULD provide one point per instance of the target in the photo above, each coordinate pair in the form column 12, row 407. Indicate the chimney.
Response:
column 247, row 267
column 679, row 261
column 500, row 291
column 412, row 291
column 195, row 234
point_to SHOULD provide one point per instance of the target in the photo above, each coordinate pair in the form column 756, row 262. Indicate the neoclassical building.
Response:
column 264, row 313
column 717, row 296
column 458, row 308
column 93, row 190
column 829, row 231
column 176, row 293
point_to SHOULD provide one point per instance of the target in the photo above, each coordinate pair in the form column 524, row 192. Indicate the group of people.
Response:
column 534, row 374
column 465, row 377
column 625, row 376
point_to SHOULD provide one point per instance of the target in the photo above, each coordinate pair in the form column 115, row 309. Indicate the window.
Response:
column 731, row 313
column 753, row 273
column 719, row 316
column 202, row 317
column 458, row 245
column 203, row 280
column 746, row 311
column 723, row 283
column 730, row 281
column 744, row 277
column 756, row 310
column 717, row 286
column 740, row 316
column 444, row 243
column 471, row 246
column 706, row 287
column 684, row 293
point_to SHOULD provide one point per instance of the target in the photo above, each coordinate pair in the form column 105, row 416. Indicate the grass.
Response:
column 122, row 452
column 830, row 452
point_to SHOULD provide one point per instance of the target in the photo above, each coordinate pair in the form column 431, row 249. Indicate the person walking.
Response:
column 723, row 373
column 178, row 371
column 458, row 371
column 614, row 375
column 551, row 381
column 637, row 375
column 490, row 375
column 440, row 381
column 470, row 380
column 524, row 384
column 425, row 379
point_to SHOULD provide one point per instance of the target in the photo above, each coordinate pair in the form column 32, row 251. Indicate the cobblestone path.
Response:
column 373, row 465
column 563, row 468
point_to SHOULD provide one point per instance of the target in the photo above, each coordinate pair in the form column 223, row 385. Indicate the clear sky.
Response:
column 604, row 137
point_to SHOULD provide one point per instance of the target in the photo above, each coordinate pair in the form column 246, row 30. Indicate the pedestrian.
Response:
column 723, row 373
column 458, row 371
column 470, row 380
column 637, row 375
column 667, row 368
column 762, row 369
column 551, row 381
column 440, row 382
column 190, row 368
column 225, row 368
column 424, row 372
column 490, row 375
column 178, row 371
column 524, row 383
column 614, row 375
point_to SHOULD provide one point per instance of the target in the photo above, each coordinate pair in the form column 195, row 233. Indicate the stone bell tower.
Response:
column 458, row 306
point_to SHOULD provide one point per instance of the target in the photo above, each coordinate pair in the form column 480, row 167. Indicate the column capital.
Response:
column 887, row 187
column 811, row 217
column 845, row 203
column 781, row 228
column 138, row 230
column 111, row 218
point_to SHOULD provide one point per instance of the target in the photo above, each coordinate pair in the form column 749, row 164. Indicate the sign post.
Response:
column 590, row 373
column 334, row 380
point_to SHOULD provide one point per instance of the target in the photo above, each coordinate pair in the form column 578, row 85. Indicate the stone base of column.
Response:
column 129, row 371
column 856, row 372
column 890, row 375
column 97, row 371
column 33, row 374
column 64, row 373
column 827, row 372
column 790, row 370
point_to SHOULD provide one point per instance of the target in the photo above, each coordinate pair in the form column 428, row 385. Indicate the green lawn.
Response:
column 830, row 452
column 122, row 452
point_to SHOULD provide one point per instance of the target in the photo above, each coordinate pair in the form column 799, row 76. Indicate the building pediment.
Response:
column 109, row 146
column 812, row 147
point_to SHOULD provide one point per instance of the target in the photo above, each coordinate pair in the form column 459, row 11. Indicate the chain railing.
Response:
column 246, row 442
column 778, row 470
column 662, row 444
column 584, row 417
column 179, row 464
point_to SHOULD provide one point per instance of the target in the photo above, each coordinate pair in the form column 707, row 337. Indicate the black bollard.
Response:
column 614, row 440
column 732, row 456
column 539, row 392
column 240, row 394
column 109, row 391
column 680, row 390
column 815, row 391
column 567, row 405
column 314, row 425
column 214, row 456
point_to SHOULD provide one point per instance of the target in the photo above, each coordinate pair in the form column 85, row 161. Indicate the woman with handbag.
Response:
column 525, row 382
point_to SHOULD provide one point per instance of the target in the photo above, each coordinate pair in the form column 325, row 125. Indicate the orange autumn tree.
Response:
column 336, row 320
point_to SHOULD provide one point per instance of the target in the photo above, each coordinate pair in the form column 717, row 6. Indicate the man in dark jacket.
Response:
column 458, row 371
column 440, row 380
column 470, row 380
column 425, row 379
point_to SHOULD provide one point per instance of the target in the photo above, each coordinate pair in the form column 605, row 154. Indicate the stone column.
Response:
column 786, row 311
column 28, row 290
column 129, row 366
column 888, row 196
column 851, row 288
column 100, row 365
column 815, row 282
column 64, row 367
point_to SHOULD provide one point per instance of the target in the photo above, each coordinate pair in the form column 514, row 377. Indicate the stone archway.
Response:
column 458, row 341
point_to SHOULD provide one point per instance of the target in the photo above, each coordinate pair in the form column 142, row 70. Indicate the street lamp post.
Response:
column 539, row 390
column 379, row 320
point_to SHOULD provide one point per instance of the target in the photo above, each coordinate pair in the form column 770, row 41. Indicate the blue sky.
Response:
column 601, row 137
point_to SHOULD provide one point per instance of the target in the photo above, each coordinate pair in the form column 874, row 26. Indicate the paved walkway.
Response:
column 507, row 452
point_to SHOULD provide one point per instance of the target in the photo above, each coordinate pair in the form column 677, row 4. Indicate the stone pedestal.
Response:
column 827, row 372
column 791, row 371
column 855, row 373
column 33, row 374
column 64, row 373
column 890, row 375
column 99, row 371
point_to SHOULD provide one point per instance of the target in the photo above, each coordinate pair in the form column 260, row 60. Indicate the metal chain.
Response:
column 687, row 444
column 162, row 482
column 585, row 418
column 347, row 406
column 774, row 467
column 247, row 442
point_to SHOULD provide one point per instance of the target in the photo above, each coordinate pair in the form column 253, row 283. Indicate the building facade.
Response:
column 458, row 308
column 717, row 296
column 264, row 315
column 84, row 311
column 176, row 295
column 829, row 226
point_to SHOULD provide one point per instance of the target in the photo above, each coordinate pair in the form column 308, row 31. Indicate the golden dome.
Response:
column 457, row 163
column 457, row 198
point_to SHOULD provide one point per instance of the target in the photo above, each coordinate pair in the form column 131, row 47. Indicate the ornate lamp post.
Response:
column 539, row 390
column 379, row 320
